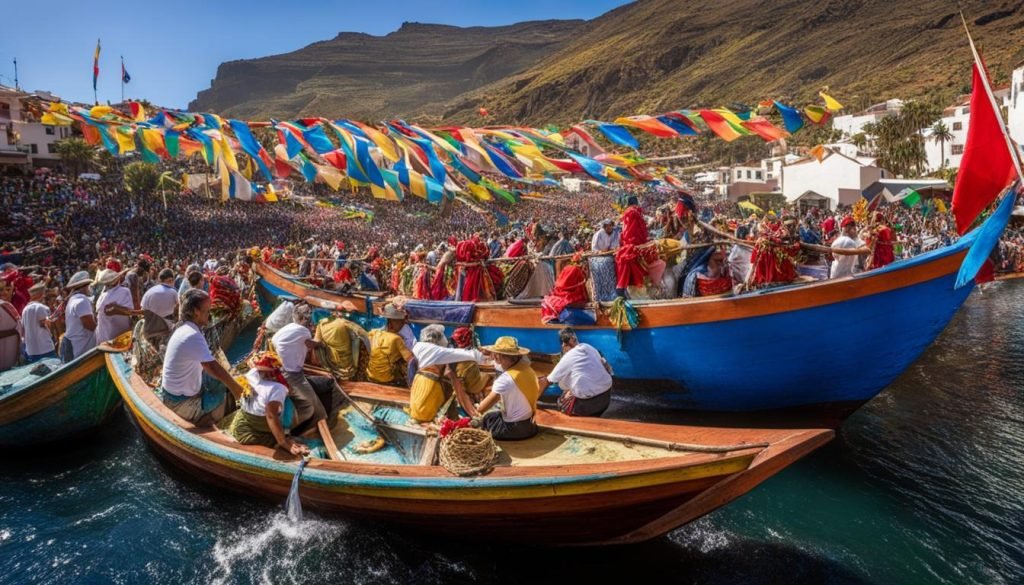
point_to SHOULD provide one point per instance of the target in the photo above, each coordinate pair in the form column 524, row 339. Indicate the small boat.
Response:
column 579, row 482
column 48, row 401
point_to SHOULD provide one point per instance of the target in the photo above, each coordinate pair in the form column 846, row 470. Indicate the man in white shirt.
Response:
column 845, row 250
column 291, row 343
column 160, row 308
column 79, row 321
column 517, row 390
column 606, row 238
column 35, row 320
column 583, row 375
column 194, row 383
column 114, row 311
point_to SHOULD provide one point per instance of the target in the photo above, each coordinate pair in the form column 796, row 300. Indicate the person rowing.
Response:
column 516, row 389
column 265, row 412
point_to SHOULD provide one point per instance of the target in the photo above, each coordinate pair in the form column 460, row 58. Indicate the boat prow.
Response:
column 579, row 482
column 56, row 402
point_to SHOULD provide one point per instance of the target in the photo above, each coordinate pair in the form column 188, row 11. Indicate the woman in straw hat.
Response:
column 79, row 320
column 516, row 388
column 265, row 413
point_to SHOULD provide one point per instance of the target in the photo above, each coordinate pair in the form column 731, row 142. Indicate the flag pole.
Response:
column 122, row 80
column 1014, row 154
column 16, row 85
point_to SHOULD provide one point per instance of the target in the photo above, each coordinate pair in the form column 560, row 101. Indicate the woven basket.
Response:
column 468, row 451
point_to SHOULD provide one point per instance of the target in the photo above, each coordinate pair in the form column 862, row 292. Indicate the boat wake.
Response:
column 273, row 550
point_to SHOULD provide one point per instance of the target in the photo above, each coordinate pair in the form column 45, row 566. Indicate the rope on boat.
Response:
column 468, row 451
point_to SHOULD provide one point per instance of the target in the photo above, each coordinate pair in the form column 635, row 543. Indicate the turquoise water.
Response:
column 923, row 485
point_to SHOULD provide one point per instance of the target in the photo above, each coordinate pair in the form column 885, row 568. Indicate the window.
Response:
column 51, row 148
column 958, row 125
column 749, row 174
column 758, row 175
column 34, row 148
column 957, row 149
column 49, row 130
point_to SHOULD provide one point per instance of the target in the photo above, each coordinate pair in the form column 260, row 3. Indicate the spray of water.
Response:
column 293, row 505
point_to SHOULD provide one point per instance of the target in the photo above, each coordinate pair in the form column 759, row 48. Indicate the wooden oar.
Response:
column 380, row 428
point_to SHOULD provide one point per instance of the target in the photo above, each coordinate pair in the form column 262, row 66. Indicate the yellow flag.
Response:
column 830, row 103
column 125, row 139
column 330, row 175
column 271, row 194
column 225, row 179
column 940, row 205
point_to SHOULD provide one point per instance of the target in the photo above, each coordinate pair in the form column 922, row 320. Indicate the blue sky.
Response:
column 172, row 50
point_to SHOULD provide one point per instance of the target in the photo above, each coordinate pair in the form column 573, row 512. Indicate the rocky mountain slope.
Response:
column 644, row 57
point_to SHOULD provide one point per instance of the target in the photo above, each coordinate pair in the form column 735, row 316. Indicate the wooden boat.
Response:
column 818, row 351
column 69, row 400
column 1009, row 275
column 580, row 482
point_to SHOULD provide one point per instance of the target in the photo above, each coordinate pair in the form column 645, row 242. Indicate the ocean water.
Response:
column 925, row 484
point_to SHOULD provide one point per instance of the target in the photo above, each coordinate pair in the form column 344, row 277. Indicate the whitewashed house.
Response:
column 838, row 177
column 1015, row 105
column 23, row 140
column 852, row 124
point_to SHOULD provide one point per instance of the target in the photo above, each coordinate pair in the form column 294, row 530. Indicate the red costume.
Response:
column 570, row 289
column 631, row 262
column 883, row 247
column 481, row 281
column 773, row 259
column 517, row 249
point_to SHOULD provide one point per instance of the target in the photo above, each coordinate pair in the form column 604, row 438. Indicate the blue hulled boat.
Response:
column 821, row 349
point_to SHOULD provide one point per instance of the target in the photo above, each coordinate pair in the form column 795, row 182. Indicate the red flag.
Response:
column 987, row 166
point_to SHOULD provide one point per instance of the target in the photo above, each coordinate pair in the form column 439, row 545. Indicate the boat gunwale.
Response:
column 47, row 390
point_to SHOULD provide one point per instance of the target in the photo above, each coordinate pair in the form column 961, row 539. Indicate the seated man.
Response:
column 432, row 354
column 389, row 356
column 291, row 343
column 516, row 388
column 710, row 277
column 345, row 343
column 472, row 380
column 265, row 412
column 583, row 375
column 193, row 381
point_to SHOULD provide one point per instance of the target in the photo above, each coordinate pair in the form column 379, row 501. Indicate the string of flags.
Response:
column 395, row 158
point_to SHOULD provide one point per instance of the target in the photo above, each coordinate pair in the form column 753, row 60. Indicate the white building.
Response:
column 23, row 140
column 852, row 124
column 1015, row 105
column 838, row 177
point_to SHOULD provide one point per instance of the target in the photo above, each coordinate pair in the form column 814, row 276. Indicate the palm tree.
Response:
column 940, row 134
column 77, row 154
column 860, row 140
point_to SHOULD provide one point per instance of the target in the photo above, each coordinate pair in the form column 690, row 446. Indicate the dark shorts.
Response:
column 594, row 406
column 506, row 431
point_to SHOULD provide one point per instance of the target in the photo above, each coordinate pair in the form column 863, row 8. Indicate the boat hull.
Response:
column 619, row 502
column 75, row 399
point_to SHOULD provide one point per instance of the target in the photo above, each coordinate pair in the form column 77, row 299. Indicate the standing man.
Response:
column 194, row 384
column 160, row 308
column 79, row 321
column 583, row 375
column 137, row 281
column 35, row 320
column 115, row 308
column 846, row 248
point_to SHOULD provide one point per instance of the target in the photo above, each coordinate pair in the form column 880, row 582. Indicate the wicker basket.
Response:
column 468, row 451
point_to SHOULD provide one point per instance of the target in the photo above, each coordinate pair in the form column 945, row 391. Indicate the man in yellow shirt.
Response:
column 389, row 357
column 346, row 344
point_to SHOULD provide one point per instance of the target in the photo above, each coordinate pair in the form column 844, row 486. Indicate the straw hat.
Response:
column 391, row 312
column 37, row 288
column 507, row 346
column 79, row 279
column 107, row 277
column 265, row 362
